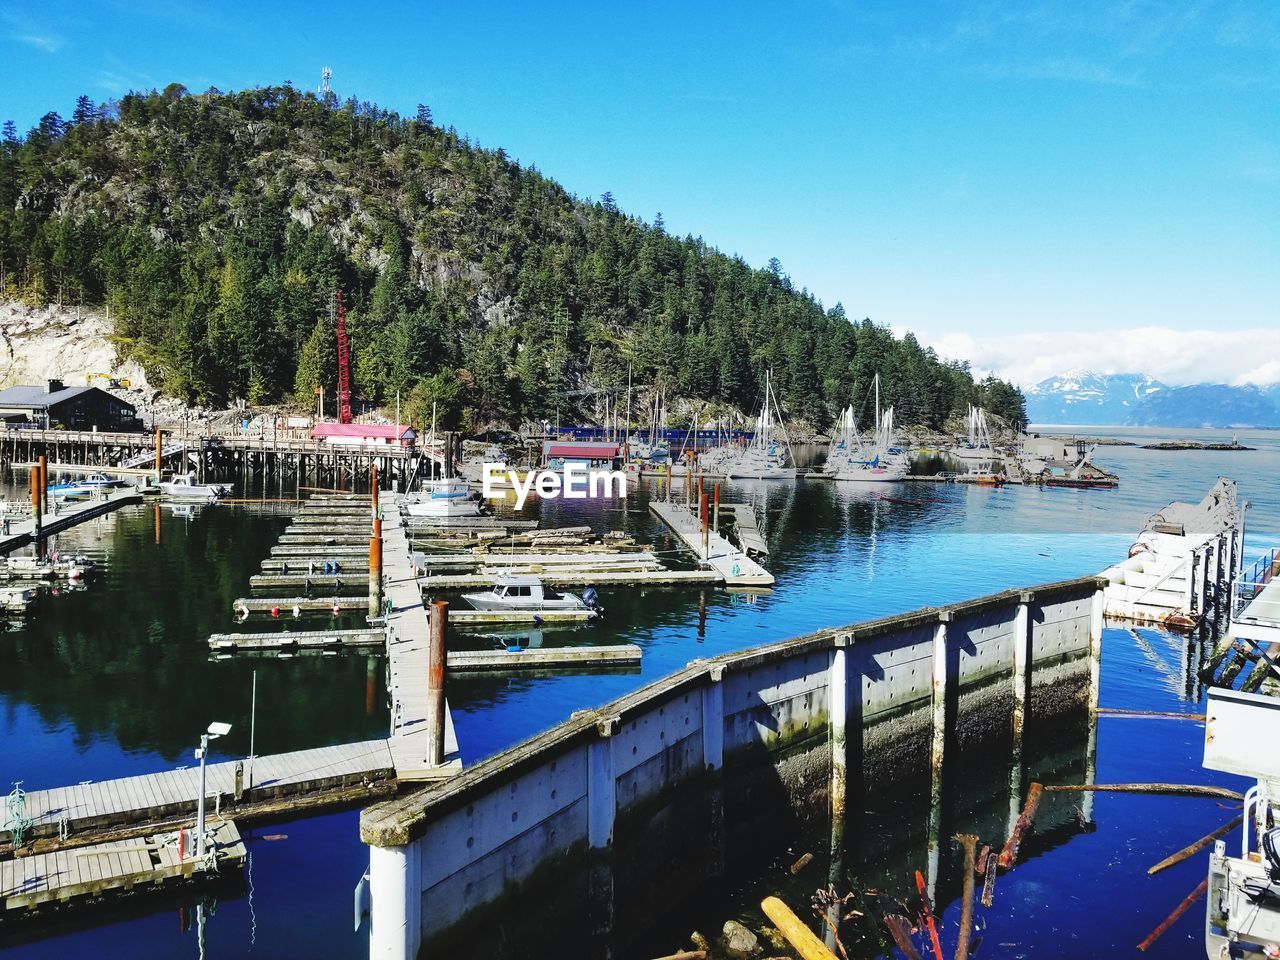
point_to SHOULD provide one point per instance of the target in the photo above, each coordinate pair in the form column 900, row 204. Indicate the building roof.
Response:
column 39, row 398
column 369, row 431
column 573, row 450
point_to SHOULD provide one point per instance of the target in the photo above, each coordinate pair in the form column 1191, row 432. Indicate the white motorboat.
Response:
column 416, row 505
column 183, row 486
column 524, row 593
column 98, row 481
column 16, row 599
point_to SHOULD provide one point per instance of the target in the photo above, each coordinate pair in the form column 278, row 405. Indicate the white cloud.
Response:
column 1175, row 357
column 39, row 41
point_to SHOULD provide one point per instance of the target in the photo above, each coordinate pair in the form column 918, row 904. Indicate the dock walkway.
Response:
column 172, row 793
column 22, row 532
column 733, row 565
column 68, row 875
column 407, row 650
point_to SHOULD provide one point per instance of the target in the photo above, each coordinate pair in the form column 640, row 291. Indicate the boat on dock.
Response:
column 526, row 594
column 16, row 599
column 183, row 486
column 1181, row 563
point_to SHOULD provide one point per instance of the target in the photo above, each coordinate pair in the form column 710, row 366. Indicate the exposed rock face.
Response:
column 62, row 343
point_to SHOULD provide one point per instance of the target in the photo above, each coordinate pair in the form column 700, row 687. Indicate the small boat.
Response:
column 56, row 567
column 183, row 486
column 16, row 599
column 524, row 593
column 98, row 481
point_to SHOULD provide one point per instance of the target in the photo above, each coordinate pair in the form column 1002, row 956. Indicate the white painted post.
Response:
column 1021, row 661
column 940, row 684
column 838, row 708
column 713, row 765
column 602, row 806
column 394, row 916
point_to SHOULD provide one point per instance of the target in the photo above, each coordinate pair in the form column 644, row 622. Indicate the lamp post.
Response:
column 215, row 731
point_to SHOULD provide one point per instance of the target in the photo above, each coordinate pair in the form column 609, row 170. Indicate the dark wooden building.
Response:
column 56, row 406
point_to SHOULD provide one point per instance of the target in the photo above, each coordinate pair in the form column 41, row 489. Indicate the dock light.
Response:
column 215, row 730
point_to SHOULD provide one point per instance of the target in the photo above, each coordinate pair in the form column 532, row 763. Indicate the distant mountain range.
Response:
column 1134, row 399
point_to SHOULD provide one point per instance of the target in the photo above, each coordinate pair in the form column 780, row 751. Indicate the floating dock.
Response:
column 745, row 525
column 732, row 564
column 22, row 532
column 70, row 875
column 153, row 797
column 581, row 578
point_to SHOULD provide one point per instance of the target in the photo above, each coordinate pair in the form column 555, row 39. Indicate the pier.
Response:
column 172, row 794
column 732, row 564
column 68, row 515
column 72, row 875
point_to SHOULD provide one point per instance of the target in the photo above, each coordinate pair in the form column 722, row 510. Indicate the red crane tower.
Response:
column 344, row 361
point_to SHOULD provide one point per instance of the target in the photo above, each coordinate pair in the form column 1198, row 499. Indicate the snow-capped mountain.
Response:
column 1134, row 399
column 1081, row 396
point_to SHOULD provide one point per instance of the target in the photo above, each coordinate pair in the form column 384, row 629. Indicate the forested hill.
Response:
column 215, row 226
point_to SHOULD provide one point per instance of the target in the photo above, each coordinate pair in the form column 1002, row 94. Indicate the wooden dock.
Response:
column 733, row 565
column 407, row 642
column 580, row 578
column 747, row 528
column 70, row 875
column 22, row 532
column 524, row 658
column 145, row 798
column 285, row 605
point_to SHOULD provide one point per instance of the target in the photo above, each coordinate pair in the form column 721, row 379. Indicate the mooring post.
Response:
column 159, row 453
column 375, row 567
column 35, row 498
column 941, row 683
column 602, row 806
column 373, row 489
column 713, row 765
column 716, row 520
column 44, row 484
column 438, row 622
column 706, row 539
column 838, row 710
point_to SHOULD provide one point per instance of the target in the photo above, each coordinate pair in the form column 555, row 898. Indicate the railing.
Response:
column 1246, row 604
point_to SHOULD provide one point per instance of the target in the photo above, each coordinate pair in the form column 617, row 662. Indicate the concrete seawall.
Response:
column 624, row 809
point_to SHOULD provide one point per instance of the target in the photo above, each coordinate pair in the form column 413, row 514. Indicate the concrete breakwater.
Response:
column 622, row 810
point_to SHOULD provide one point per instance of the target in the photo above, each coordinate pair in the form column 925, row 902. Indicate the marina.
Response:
column 403, row 581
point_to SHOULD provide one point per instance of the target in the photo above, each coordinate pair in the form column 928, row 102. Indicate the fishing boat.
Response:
column 852, row 459
column 183, row 486
column 440, row 496
column 98, row 481
column 525, row 593
column 763, row 457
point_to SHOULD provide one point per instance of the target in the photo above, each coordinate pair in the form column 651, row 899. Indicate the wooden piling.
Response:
column 44, row 484
column 715, row 525
column 436, row 656
column 36, row 498
column 159, row 454
column 375, row 567
column 970, row 844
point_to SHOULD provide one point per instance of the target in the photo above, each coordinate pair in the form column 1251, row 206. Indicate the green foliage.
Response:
column 216, row 226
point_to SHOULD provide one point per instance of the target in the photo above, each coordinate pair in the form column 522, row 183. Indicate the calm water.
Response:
column 114, row 680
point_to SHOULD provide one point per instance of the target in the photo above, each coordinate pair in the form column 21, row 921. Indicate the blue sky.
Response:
column 1033, row 186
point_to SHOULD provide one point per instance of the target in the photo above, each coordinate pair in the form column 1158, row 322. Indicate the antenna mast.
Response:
column 325, row 75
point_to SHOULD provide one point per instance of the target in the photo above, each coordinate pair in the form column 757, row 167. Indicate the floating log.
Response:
column 1176, row 789
column 900, row 930
column 1196, row 847
column 1178, row 911
column 1155, row 714
column 970, row 844
column 801, row 863
column 1009, row 855
column 796, row 932
column 989, row 884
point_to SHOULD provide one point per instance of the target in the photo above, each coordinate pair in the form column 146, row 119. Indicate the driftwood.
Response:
column 1196, row 847
column 1009, row 855
column 989, row 885
column 1154, row 714
column 970, row 843
column 685, row 955
column 1177, row 789
column 926, row 911
column 797, row 933
column 801, row 863
column 899, row 929
column 1178, row 911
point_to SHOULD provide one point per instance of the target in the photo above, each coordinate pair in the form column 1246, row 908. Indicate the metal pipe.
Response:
column 439, row 621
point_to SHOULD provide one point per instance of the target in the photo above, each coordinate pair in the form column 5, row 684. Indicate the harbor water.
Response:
column 114, row 679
